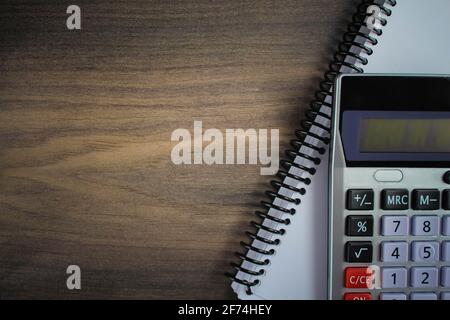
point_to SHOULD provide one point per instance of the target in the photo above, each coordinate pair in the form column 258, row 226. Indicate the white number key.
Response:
column 423, row 296
column 425, row 251
column 394, row 251
column 445, row 277
column 445, row 256
column 425, row 225
column 394, row 225
column 424, row 277
column 393, row 278
column 392, row 296
column 446, row 226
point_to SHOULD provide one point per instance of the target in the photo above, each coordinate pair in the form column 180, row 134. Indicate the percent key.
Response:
column 359, row 226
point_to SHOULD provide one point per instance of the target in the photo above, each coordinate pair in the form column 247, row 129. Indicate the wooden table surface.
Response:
column 85, row 124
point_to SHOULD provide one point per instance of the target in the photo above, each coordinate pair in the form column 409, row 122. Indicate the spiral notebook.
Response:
column 286, row 255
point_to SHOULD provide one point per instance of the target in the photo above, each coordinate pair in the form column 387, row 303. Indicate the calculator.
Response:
column 389, row 189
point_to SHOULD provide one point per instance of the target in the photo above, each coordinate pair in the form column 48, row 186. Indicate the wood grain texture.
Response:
column 85, row 124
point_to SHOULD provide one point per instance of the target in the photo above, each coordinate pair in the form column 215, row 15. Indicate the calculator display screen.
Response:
column 395, row 121
column 404, row 135
column 387, row 137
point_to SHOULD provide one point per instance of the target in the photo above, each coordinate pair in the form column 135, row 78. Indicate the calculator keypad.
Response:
column 409, row 250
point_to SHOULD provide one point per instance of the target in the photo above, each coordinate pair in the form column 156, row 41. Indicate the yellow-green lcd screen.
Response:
column 404, row 135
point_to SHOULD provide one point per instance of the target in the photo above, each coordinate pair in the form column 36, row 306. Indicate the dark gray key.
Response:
column 360, row 199
column 426, row 199
column 395, row 199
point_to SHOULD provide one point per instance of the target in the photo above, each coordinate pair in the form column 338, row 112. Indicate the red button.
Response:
column 358, row 277
column 358, row 296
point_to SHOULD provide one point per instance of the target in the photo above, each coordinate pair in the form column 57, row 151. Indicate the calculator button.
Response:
column 392, row 296
column 360, row 199
column 393, row 278
column 361, row 226
column 445, row 256
column 424, row 277
column 446, row 199
column 446, row 225
column 445, row 296
column 394, row 225
column 394, row 199
column 423, row 296
column 425, row 225
column 358, row 296
column 445, row 277
column 446, row 177
column 388, row 175
column 358, row 277
column 426, row 199
column 358, row 251
column 394, row 252
column 425, row 251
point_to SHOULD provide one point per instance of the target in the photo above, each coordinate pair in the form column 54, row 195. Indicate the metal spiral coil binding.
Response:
column 312, row 115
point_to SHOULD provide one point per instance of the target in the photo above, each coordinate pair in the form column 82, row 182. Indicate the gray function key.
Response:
column 395, row 199
column 392, row 296
column 394, row 226
column 425, row 225
column 426, row 199
column 425, row 251
column 392, row 278
column 424, row 277
column 358, row 251
column 360, row 199
column 423, row 296
column 394, row 251
column 359, row 226
column 446, row 199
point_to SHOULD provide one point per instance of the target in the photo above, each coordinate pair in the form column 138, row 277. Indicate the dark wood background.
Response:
column 85, row 124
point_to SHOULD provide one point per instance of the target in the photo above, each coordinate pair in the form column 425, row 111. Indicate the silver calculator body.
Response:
column 389, row 190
